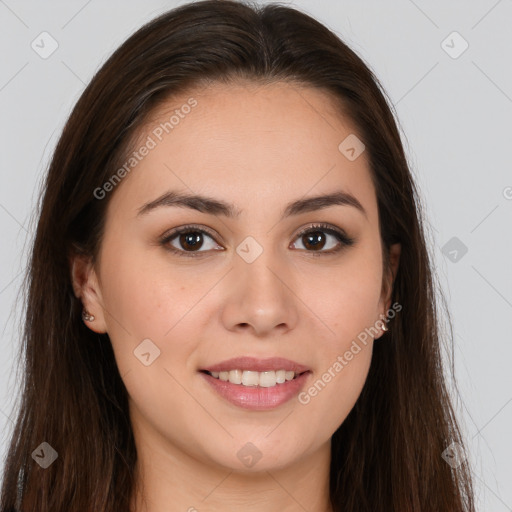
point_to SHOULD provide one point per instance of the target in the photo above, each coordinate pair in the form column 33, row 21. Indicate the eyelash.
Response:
column 345, row 241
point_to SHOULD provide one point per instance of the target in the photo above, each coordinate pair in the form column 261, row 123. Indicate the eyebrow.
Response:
column 213, row 206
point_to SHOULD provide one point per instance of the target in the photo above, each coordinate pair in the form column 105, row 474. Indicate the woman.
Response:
column 230, row 303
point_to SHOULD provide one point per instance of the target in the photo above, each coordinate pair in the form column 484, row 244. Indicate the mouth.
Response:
column 256, row 384
column 251, row 378
column 255, row 372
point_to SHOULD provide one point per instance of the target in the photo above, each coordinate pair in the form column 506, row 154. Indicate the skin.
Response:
column 253, row 146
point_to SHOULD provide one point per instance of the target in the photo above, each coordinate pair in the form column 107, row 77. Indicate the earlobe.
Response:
column 86, row 288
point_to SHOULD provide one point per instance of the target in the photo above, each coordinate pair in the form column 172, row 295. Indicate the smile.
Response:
column 265, row 379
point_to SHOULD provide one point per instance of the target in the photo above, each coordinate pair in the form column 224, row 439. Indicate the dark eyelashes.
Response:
column 343, row 239
column 338, row 234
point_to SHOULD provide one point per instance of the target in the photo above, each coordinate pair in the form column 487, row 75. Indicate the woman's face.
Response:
column 243, row 283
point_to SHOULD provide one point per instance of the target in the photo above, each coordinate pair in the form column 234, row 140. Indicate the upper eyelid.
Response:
column 191, row 227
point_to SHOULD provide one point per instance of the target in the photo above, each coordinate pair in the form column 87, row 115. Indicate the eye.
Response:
column 191, row 239
column 188, row 240
column 314, row 237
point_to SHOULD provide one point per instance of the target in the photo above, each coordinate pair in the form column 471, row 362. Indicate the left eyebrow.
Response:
column 213, row 206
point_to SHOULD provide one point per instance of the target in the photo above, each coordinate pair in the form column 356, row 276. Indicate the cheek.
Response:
column 346, row 297
column 344, row 350
column 332, row 394
column 148, row 299
column 138, row 288
column 131, row 295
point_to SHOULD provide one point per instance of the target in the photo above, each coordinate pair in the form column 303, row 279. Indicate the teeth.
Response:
column 250, row 378
column 289, row 375
column 235, row 376
column 268, row 379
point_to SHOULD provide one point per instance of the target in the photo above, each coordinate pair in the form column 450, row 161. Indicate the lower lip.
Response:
column 257, row 398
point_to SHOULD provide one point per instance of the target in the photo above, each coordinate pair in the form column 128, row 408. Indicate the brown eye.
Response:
column 314, row 240
column 188, row 240
column 317, row 237
column 191, row 241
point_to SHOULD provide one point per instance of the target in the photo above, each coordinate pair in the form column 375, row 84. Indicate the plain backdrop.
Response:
column 447, row 69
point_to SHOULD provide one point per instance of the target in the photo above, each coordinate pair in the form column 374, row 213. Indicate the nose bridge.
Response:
column 261, row 269
column 260, row 290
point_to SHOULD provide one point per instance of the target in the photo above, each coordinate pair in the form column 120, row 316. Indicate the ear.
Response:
column 394, row 260
column 389, row 279
column 86, row 287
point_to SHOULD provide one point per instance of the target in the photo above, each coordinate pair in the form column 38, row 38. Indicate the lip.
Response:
column 257, row 398
column 257, row 365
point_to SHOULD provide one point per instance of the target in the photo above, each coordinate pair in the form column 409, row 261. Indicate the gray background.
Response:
column 454, row 111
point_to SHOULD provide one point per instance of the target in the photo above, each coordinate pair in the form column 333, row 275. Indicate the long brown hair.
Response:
column 387, row 454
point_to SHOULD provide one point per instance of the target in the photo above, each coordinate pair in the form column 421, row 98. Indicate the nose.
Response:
column 260, row 297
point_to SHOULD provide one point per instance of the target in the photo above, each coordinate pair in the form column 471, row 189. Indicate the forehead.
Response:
column 248, row 144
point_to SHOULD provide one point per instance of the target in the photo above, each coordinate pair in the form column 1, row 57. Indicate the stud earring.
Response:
column 384, row 319
column 86, row 316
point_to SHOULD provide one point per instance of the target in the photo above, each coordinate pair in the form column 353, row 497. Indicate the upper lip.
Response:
column 258, row 365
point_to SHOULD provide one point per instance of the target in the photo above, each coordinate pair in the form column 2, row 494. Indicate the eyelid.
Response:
column 171, row 233
column 322, row 226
